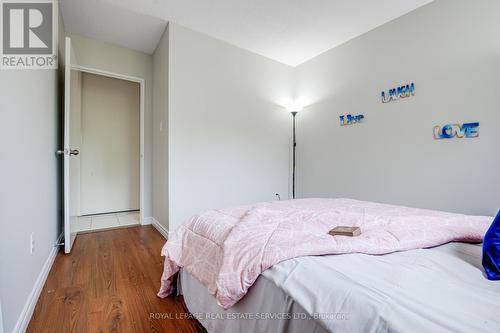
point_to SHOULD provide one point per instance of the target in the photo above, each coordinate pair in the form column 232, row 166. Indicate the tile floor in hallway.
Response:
column 106, row 221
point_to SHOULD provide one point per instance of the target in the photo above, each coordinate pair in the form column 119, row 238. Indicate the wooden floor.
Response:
column 109, row 284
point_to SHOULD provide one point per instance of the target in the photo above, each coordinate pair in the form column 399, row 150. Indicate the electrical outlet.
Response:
column 32, row 243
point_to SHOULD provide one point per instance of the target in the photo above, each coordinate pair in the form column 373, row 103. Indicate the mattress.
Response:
column 442, row 289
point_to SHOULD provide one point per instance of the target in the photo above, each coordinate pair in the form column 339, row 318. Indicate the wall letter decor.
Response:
column 350, row 120
column 449, row 131
column 399, row 92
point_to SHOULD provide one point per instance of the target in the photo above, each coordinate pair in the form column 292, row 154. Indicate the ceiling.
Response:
column 289, row 31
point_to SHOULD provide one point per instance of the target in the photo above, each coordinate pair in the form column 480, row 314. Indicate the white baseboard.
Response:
column 29, row 307
column 1, row 321
column 147, row 221
column 158, row 226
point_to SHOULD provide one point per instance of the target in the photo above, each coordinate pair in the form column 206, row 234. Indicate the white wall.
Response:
column 451, row 50
column 29, row 117
column 112, row 58
column 110, row 148
column 28, row 178
column 228, row 135
column 160, row 131
column 75, row 141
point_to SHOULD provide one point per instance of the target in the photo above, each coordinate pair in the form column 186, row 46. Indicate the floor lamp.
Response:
column 294, row 110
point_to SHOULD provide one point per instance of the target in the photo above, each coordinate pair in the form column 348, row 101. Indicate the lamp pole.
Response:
column 294, row 145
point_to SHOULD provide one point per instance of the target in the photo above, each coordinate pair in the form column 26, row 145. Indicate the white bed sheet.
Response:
column 442, row 289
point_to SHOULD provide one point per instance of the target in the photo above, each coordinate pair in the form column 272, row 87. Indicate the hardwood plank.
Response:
column 109, row 284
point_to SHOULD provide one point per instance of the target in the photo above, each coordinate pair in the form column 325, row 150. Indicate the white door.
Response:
column 68, row 152
column 110, row 140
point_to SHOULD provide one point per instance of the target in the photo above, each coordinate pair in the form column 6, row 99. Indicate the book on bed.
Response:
column 345, row 231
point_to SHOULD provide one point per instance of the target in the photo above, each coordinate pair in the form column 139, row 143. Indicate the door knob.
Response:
column 68, row 152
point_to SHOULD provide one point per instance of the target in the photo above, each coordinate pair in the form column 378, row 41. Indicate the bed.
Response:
column 433, row 289
column 442, row 289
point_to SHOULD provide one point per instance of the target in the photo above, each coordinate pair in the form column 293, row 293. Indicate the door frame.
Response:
column 141, row 82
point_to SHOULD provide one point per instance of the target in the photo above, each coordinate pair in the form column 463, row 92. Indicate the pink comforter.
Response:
column 227, row 249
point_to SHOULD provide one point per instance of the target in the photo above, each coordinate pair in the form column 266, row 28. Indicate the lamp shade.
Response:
column 294, row 107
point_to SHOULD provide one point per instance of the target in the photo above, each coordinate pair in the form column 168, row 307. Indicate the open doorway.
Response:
column 106, row 134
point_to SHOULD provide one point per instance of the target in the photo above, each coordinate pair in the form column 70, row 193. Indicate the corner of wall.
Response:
column 160, row 131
